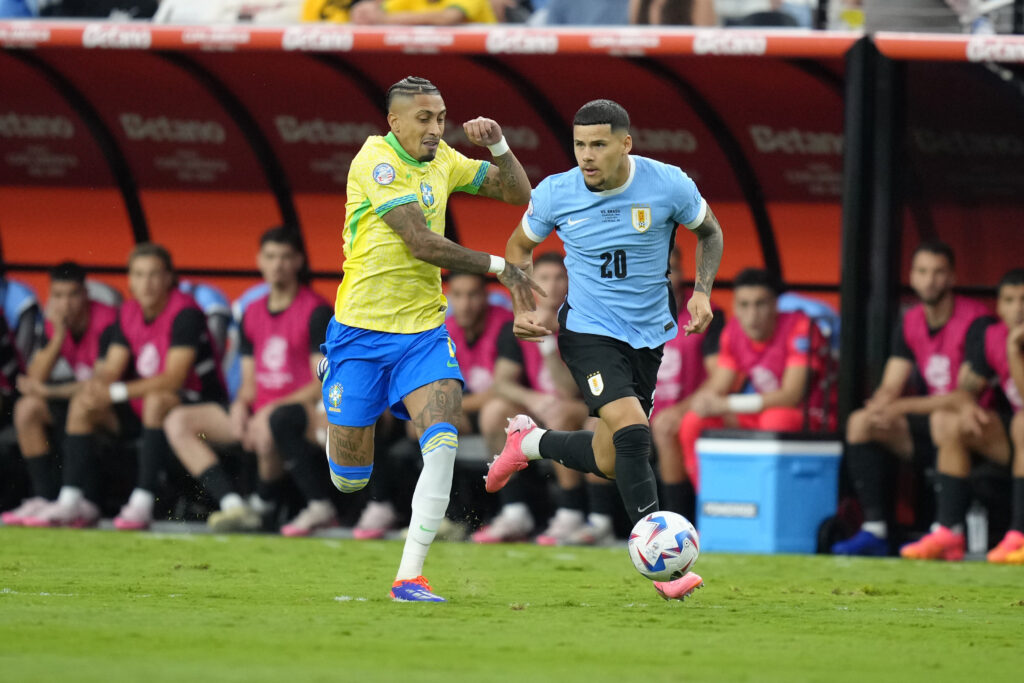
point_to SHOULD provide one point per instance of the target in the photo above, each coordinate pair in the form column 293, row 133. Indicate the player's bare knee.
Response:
column 30, row 411
column 858, row 427
column 156, row 405
column 944, row 427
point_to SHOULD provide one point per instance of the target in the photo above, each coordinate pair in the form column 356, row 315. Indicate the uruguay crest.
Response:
column 596, row 383
column 641, row 217
column 427, row 193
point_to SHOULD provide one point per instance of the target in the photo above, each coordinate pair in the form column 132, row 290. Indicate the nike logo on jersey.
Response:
column 571, row 222
column 647, row 507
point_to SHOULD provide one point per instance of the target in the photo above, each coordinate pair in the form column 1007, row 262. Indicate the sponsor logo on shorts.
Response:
column 596, row 383
column 334, row 396
column 641, row 217
column 383, row 174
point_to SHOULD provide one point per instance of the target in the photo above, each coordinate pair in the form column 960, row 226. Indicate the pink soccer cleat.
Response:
column 680, row 588
column 134, row 517
column 941, row 544
column 512, row 459
column 28, row 509
column 376, row 520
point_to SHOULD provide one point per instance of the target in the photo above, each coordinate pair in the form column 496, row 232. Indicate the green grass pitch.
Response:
column 105, row 606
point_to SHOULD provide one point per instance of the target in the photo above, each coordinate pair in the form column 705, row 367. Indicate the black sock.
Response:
column 42, row 472
column 216, row 482
column 868, row 464
column 602, row 498
column 679, row 498
column 572, row 499
column 154, row 453
column 575, row 450
column 952, row 497
column 270, row 491
column 304, row 460
column 1017, row 521
column 81, row 466
column 633, row 474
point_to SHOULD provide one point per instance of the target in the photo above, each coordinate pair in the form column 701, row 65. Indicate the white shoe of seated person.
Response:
column 513, row 524
column 76, row 514
column 377, row 519
column 563, row 525
column 318, row 514
column 597, row 531
column 236, row 518
column 29, row 507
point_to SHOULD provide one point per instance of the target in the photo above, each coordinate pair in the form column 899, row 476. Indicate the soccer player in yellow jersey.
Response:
column 387, row 346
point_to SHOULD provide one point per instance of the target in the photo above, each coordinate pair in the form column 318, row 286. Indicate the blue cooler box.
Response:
column 765, row 492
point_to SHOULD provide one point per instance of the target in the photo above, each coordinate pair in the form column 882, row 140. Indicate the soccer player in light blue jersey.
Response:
column 617, row 215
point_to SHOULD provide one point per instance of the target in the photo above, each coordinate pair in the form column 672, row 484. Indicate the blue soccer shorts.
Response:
column 369, row 371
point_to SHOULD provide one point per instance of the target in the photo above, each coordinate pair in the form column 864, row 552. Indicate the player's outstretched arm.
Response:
column 506, row 179
column 408, row 221
column 710, row 244
column 519, row 252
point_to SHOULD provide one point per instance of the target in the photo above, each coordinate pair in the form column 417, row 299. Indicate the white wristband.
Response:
column 497, row 264
column 499, row 147
column 548, row 345
column 743, row 404
column 118, row 392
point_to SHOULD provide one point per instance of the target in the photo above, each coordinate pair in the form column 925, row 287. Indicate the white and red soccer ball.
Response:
column 663, row 546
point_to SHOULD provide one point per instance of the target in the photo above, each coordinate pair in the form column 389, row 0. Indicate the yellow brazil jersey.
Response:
column 385, row 288
column 476, row 11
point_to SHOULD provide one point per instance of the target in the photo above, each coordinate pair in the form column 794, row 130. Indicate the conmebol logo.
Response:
column 992, row 49
column 521, row 42
column 729, row 43
column 317, row 39
column 162, row 129
column 35, row 127
column 116, row 36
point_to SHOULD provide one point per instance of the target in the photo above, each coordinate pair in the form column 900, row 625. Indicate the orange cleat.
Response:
column 941, row 544
column 1012, row 542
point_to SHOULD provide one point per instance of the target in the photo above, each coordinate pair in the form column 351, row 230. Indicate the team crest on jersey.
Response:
column 596, row 383
column 427, row 193
column 334, row 396
column 641, row 217
column 384, row 174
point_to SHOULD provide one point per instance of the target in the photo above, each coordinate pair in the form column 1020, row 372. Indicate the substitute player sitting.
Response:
column 964, row 428
column 387, row 345
column 761, row 345
column 617, row 215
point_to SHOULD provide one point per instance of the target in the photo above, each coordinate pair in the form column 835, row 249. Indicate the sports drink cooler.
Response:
column 765, row 492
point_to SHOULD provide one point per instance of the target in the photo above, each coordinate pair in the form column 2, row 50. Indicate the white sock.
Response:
column 70, row 495
column 141, row 498
column 429, row 502
column 531, row 443
column 876, row 529
column 956, row 528
column 518, row 511
column 231, row 501
column 600, row 521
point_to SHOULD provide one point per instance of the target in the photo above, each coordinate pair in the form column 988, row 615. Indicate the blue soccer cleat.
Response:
column 414, row 590
column 862, row 543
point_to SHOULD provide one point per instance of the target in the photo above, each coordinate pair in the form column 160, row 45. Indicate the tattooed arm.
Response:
column 506, row 180
column 408, row 221
column 710, row 244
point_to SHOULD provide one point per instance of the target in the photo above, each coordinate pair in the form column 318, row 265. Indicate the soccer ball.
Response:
column 663, row 546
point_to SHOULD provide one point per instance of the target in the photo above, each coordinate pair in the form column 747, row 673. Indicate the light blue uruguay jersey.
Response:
column 617, row 244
